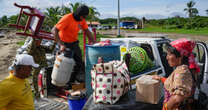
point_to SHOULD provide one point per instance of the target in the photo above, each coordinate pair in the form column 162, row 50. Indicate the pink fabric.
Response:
column 185, row 47
column 104, row 97
column 104, row 43
column 167, row 96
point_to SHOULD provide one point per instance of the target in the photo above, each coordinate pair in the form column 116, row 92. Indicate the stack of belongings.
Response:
column 148, row 90
column 139, row 60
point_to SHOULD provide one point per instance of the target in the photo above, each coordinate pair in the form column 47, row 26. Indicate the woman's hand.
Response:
column 174, row 102
column 156, row 77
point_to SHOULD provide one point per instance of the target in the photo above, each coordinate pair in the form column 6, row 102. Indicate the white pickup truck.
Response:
column 156, row 51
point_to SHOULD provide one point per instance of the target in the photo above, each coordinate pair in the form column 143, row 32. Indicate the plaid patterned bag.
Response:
column 109, row 81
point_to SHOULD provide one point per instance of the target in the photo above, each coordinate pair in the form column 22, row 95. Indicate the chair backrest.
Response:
column 33, row 26
column 34, row 21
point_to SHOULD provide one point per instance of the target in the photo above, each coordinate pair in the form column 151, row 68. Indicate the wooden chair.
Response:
column 33, row 24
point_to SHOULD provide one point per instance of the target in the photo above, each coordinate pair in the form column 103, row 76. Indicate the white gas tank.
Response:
column 62, row 70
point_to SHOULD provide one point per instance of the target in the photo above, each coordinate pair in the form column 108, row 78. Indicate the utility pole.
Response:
column 62, row 4
column 118, row 20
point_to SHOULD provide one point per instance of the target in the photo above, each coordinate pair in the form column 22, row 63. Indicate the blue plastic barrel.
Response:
column 108, row 53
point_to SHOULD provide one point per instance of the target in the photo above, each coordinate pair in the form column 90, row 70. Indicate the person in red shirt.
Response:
column 66, row 35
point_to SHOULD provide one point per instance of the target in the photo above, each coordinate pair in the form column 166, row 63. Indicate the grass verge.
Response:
column 201, row 31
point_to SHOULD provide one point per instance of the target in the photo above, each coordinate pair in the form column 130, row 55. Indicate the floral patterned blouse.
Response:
column 180, row 82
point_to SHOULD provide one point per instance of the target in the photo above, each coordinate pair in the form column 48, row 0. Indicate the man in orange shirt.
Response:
column 66, row 34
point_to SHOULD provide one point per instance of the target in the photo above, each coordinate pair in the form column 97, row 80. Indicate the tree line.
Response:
column 194, row 21
column 53, row 14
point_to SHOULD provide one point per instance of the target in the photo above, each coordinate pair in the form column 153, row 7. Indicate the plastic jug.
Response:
column 62, row 70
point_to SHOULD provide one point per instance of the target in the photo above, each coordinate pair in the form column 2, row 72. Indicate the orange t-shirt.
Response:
column 68, row 28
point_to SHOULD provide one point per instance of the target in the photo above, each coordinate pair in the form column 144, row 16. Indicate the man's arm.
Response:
column 55, row 32
column 90, row 36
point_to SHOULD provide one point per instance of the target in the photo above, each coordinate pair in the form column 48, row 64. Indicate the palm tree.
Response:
column 13, row 19
column 65, row 10
column 207, row 11
column 3, row 21
column 93, row 14
column 75, row 6
column 190, row 10
column 53, row 14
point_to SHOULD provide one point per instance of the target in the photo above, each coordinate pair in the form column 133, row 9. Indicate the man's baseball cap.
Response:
column 25, row 59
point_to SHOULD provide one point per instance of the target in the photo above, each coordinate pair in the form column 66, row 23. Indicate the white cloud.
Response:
column 103, row 16
column 173, row 14
column 108, row 8
column 152, row 16
column 7, row 7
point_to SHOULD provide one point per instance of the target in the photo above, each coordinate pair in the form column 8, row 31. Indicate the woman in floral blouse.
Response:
column 180, row 85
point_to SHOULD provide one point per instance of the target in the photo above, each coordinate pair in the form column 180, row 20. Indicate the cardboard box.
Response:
column 148, row 90
column 79, row 86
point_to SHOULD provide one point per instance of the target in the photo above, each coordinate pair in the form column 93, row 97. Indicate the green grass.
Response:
column 20, row 43
column 148, row 28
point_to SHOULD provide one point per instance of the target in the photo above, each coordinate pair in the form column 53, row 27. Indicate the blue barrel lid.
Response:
column 107, row 46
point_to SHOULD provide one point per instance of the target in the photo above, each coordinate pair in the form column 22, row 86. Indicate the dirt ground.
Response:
column 8, row 47
column 9, row 40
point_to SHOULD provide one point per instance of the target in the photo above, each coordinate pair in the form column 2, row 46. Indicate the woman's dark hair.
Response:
column 82, row 10
column 177, row 54
column 185, row 59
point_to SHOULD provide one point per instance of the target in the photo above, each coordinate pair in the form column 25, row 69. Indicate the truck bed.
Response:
column 51, row 103
column 127, row 102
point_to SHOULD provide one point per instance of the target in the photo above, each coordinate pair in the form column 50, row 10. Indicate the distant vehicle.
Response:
column 114, row 27
column 105, row 27
column 99, row 27
column 131, row 27
column 125, row 27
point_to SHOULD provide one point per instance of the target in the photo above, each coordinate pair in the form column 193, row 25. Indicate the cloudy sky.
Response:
column 108, row 8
